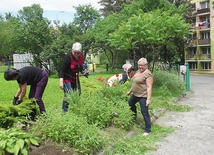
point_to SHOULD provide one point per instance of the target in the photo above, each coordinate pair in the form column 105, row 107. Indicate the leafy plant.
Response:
column 16, row 141
column 69, row 129
column 10, row 114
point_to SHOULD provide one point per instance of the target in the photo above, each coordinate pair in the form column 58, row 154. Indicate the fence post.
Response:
column 187, row 77
column 93, row 67
column 107, row 67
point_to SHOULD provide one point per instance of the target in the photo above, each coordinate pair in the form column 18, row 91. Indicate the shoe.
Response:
column 145, row 134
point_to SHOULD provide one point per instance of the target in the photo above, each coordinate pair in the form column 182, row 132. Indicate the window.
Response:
column 192, row 51
column 204, row 5
column 193, row 65
column 206, row 65
column 205, row 35
column 206, row 50
column 205, row 19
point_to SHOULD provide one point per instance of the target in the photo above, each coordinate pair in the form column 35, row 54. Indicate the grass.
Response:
column 115, row 139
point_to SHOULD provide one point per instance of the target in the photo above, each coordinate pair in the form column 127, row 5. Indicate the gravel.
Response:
column 194, row 134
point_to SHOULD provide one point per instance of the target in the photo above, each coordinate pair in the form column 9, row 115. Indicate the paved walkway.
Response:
column 194, row 133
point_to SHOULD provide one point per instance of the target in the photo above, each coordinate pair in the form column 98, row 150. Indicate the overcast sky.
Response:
column 53, row 9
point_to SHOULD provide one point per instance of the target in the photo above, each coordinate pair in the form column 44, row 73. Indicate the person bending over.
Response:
column 29, row 75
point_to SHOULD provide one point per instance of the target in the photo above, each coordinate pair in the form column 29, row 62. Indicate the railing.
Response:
column 204, row 57
column 193, row 43
column 205, row 10
column 203, row 41
column 191, row 57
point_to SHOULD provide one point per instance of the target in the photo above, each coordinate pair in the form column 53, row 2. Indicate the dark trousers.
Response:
column 37, row 90
column 144, row 110
column 124, row 78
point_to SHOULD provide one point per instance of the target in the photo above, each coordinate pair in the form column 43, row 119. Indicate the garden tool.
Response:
column 78, row 83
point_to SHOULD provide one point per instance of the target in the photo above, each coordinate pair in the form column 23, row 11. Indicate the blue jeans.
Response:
column 144, row 110
column 68, row 88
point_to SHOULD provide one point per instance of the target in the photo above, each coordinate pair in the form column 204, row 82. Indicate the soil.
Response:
column 194, row 134
column 49, row 148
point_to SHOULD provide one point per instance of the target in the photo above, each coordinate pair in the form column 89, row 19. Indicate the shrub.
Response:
column 10, row 114
column 167, row 84
column 15, row 141
column 69, row 129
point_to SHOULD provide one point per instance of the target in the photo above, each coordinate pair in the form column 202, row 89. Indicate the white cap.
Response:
column 77, row 47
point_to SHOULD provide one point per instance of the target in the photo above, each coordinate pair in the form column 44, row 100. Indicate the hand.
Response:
column 147, row 102
column 128, row 93
column 15, row 99
column 61, row 84
column 85, row 73
column 18, row 102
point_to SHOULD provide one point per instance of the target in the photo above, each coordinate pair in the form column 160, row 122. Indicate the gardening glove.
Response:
column 85, row 73
column 15, row 99
column 18, row 102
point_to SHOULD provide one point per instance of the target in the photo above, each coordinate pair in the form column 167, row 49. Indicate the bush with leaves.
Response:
column 167, row 84
column 69, row 129
column 107, row 107
column 15, row 141
column 10, row 114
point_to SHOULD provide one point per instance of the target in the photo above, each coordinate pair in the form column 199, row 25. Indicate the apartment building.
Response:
column 200, row 50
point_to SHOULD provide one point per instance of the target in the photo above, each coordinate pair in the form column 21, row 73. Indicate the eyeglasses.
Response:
column 76, row 52
column 141, row 65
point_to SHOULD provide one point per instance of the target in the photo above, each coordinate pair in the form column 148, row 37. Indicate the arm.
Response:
column 22, row 91
column 66, row 62
column 20, row 94
column 149, row 83
column 129, row 92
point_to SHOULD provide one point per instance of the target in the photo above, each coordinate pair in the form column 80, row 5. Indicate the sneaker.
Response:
column 145, row 134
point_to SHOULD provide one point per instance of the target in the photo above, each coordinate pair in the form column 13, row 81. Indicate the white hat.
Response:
column 77, row 47
column 127, row 67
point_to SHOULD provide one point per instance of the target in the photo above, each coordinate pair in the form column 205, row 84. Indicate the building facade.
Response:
column 200, row 50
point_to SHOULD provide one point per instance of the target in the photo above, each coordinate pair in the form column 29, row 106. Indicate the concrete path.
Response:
column 194, row 133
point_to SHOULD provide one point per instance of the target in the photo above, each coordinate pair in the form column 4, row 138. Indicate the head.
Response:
column 127, row 67
column 11, row 74
column 76, row 49
column 142, row 64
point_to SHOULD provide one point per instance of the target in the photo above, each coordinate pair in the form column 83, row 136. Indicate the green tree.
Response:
column 7, row 34
column 32, row 32
column 112, row 6
column 101, row 33
column 63, row 38
column 85, row 18
column 154, row 29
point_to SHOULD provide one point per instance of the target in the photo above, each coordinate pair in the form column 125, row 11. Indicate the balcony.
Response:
column 191, row 57
column 198, row 57
column 203, row 11
column 192, row 43
column 202, row 42
column 201, row 26
column 204, row 57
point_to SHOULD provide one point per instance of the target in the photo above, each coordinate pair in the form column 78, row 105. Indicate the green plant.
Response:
column 16, row 141
column 69, row 129
column 167, row 84
column 10, row 114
